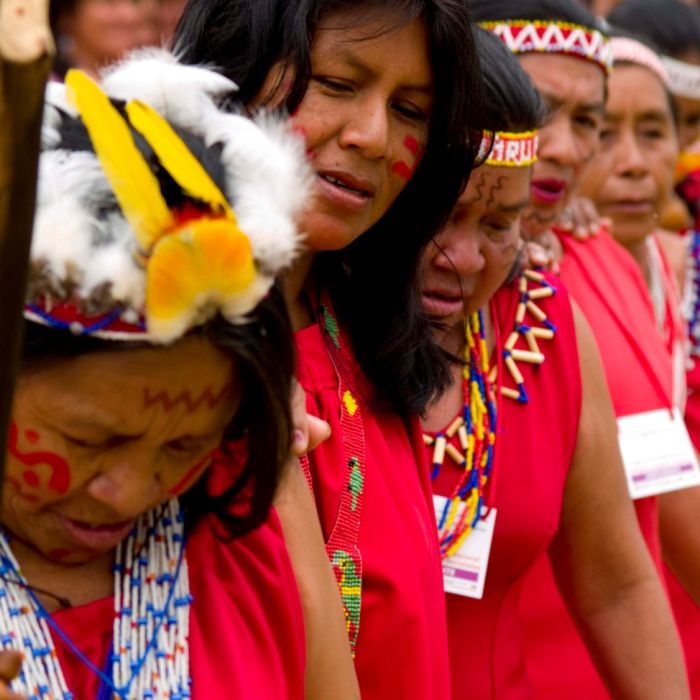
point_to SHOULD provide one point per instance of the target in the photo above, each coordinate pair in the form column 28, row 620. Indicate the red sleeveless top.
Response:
column 606, row 283
column 385, row 512
column 530, row 471
column 246, row 623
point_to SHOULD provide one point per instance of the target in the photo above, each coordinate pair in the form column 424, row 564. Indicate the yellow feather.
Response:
column 177, row 158
column 134, row 184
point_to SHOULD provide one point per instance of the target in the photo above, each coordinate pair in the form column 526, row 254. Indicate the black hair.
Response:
column 58, row 10
column 262, row 351
column 511, row 101
column 559, row 10
column 374, row 281
column 671, row 27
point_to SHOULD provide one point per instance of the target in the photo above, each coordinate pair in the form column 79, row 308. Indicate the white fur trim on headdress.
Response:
column 84, row 248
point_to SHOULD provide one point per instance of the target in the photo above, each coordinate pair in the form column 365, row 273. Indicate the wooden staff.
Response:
column 26, row 50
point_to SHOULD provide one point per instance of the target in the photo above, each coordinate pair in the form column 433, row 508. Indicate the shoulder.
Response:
column 675, row 249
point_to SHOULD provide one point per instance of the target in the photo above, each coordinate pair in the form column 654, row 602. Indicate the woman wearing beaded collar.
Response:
column 384, row 91
column 139, row 557
column 532, row 363
column 596, row 272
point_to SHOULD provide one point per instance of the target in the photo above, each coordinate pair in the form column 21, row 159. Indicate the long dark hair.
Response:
column 561, row 10
column 511, row 101
column 263, row 354
column 374, row 281
column 671, row 26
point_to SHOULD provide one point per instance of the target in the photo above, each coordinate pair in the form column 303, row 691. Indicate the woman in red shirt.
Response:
column 151, row 425
column 386, row 95
column 524, row 445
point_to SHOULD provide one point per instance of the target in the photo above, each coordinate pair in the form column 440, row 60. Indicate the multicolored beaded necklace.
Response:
column 342, row 546
column 150, row 658
column 476, row 430
column 530, row 332
column 475, row 427
column 692, row 294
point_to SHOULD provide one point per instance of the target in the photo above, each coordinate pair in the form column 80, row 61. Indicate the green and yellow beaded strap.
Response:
column 342, row 546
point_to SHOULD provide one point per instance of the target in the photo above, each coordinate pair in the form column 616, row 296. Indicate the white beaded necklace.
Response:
column 150, row 655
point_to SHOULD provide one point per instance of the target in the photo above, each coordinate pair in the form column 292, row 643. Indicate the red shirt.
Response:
column 533, row 450
column 606, row 283
column 401, row 645
column 246, row 624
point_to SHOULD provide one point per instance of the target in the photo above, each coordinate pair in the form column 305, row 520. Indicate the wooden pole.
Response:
column 26, row 50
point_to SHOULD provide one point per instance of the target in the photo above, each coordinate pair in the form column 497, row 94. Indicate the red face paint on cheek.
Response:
column 413, row 145
column 403, row 169
column 59, row 471
column 190, row 477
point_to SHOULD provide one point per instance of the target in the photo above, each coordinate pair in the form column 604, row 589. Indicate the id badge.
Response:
column 657, row 453
column 464, row 573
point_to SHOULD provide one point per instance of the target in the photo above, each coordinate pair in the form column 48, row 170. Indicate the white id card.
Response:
column 657, row 453
column 464, row 573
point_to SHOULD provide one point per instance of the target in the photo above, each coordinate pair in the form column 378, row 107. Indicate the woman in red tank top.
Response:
column 515, row 440
column 556, row 659
column 139, row 553
column 386, row 95
column 629, row 180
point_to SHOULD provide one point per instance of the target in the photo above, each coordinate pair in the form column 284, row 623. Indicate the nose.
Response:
column 459, row 250
column 367, row 129
column 559, row 143
column 628, row 157
column 127, row 482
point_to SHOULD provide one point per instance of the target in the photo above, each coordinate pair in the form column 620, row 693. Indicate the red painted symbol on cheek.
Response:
column 31, row 479
column 59, row 479
column 413, row 145
column 190, row 477
column 403, row 169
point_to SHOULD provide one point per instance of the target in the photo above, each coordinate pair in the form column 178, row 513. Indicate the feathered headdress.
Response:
column 156, row 210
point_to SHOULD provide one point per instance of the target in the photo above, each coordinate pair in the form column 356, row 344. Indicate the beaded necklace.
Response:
column 150, row 658
column 342, row 545
column 692, row 293
column 476, row 430
column 532, row 286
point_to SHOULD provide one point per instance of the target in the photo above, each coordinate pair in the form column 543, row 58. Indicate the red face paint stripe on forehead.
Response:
column 59, row 479
column 184, row 398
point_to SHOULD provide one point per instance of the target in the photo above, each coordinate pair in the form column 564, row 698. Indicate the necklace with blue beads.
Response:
column 150, row 656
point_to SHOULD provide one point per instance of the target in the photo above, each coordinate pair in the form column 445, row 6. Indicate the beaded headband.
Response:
column 545, row 36
column 133, row 237
column 632, row 51
column 683, row 78
column 503, row 148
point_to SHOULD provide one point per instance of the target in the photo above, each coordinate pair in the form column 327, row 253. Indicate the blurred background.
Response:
column 93, row 33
